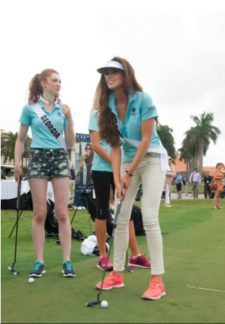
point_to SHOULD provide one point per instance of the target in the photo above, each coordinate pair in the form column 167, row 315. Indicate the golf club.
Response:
column 127, row 267
column 14, row 226
column 117, row 212
column 12, row 268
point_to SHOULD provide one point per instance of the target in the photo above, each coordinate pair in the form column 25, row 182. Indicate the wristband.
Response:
column 129, row 173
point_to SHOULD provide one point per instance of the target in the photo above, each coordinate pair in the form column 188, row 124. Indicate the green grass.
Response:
column 194, row 249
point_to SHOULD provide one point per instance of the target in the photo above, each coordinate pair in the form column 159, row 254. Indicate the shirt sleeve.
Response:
column 25, row 117
column 148, row 110
column 93, row 121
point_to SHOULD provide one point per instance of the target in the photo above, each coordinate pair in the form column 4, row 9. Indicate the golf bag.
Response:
column 52, row 226
column 90, row 205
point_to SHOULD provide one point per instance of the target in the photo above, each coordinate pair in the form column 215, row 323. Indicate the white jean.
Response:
column 149, row 174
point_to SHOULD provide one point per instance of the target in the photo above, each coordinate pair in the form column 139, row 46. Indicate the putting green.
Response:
column 194, row 249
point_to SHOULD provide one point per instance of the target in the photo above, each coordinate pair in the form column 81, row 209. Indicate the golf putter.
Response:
column 12, row 268
column 117, row 212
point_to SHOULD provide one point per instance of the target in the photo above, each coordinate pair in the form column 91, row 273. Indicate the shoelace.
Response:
column 154, row 284
column 105, row 261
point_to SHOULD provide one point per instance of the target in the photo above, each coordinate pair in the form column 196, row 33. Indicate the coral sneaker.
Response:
column 111, row 281
column 139, row 261
column 104, row 263
column 155, row 291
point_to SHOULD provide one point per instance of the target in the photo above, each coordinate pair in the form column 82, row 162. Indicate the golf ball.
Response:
column 31, row 280
column 104, row 304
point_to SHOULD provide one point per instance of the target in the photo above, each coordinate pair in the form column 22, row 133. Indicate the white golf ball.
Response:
column 104, row 304
column 31, row 280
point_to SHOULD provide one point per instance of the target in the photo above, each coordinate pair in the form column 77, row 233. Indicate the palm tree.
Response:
column 8, row 141
column 166, row 136
column 198, row 138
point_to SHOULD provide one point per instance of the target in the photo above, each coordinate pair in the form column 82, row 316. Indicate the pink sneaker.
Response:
column 111, row 281
column 139, row 261
column 104, row 263
column 155, row 291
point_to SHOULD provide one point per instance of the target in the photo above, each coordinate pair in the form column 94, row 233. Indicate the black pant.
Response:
column 206, row 191
column 102, row 180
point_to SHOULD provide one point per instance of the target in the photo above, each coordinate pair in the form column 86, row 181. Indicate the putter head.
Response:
column 93, row 303
column 129, row 269
column 13, row 271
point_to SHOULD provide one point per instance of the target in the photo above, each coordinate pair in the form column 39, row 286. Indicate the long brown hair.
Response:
column 35, row 88
column 107, row 121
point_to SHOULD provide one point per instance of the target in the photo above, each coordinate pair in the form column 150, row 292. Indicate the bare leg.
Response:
column 61, row 193
column 38, row 190
column 132, row 240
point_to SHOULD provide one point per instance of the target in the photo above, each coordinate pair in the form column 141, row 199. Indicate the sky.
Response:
column 176, row 47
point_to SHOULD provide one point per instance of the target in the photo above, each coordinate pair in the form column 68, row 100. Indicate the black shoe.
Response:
column 38, row 270
column 68, row 269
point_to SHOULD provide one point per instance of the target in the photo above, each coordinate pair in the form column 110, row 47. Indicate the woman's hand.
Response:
column 120, row 191
column 18, row 173
column 126, row 182
column 67, row 111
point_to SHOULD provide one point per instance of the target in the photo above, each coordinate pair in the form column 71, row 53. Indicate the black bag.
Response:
column 136, row 216
column 52, row 225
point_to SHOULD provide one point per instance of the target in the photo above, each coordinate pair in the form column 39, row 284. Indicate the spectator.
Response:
column 218, row 177
column 86, row 163
column 170, row 174
column 206, row 180
column 195, row 181
column 179, row 183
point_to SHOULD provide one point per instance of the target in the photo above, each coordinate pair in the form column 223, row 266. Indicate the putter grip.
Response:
column 18, row 195
column 117, row 212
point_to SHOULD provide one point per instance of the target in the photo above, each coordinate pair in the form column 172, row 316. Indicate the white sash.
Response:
column 59, row 137
column 153, row 149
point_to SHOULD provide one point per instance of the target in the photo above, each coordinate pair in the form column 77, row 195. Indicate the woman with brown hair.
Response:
column 126, row 112
column 49, row 120
column 102, row 176
column 218, row 179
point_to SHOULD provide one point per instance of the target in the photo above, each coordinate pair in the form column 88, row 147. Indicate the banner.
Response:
column 83, row 163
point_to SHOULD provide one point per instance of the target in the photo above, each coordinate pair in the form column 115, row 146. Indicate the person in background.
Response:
column 126, row 111
column 179, row 184
column 185, row 188
column 102, row 176
column 49, row 162
column 218, row 177
column 170, row 174
column 86, row 163
column 206, row 180
column 195, row 181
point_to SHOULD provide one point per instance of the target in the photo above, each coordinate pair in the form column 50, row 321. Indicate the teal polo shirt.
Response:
column 98, row 164
column 41, row 136
column 140, row 107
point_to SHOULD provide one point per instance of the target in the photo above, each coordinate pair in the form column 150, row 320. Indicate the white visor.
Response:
column 110, row 65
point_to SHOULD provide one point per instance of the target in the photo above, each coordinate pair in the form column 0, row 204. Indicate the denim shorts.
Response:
column 48, row 164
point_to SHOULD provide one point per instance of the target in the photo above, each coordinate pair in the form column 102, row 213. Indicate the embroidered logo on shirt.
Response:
column 133, row 111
